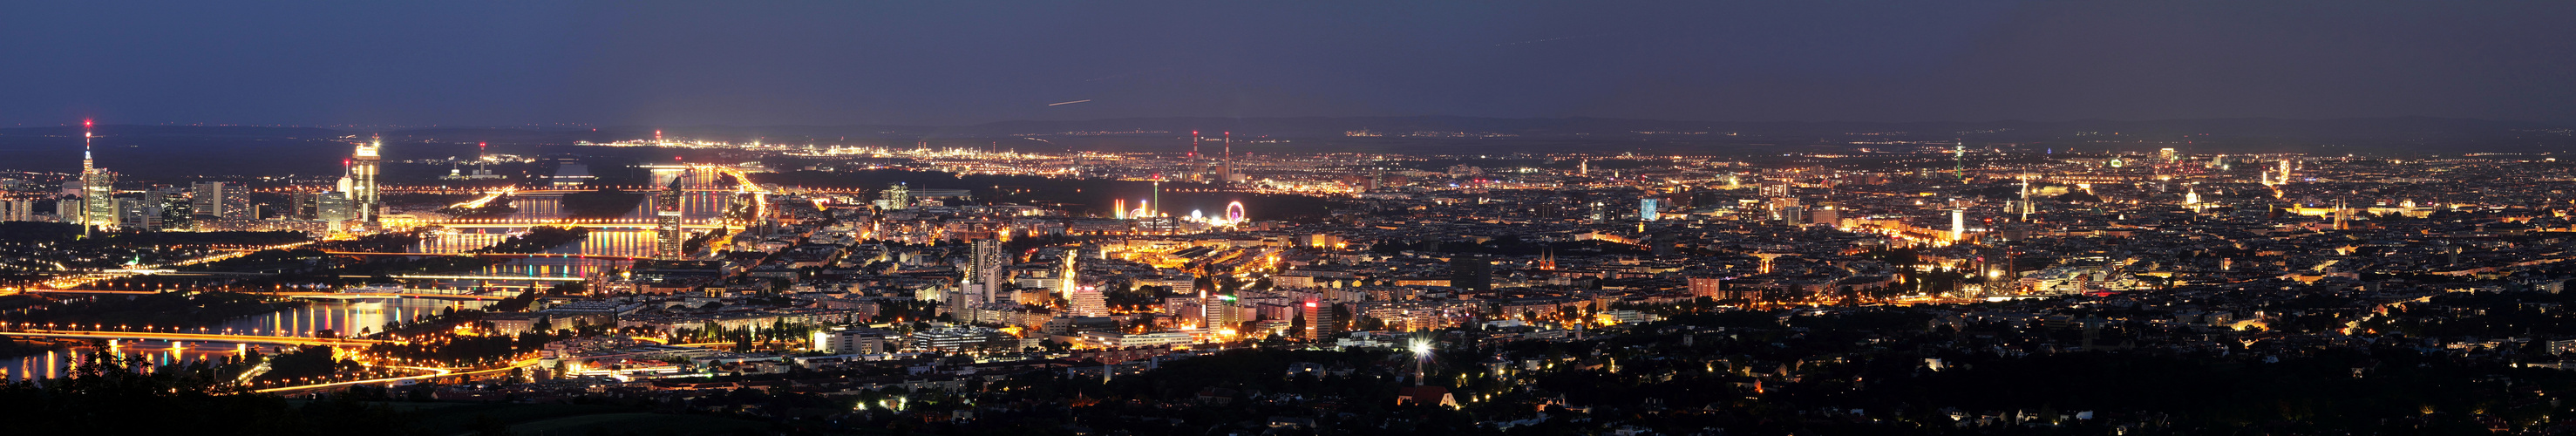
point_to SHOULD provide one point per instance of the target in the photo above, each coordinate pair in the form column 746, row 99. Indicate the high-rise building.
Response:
column 982, row 279
column 210, row 201
column 98, row 187
column 335, row 207
column 666, row 209
column 1958, row 224
column 1223, row 313
column 362, row 177
column 2168, row 154
column 1067, row 278
column 135, row 213
column 304, row 206
column 1646, row 209
column 1319, row 320
column 207, row 200
column 986, row 262
column 1471, row 272
column 18, row 209
column 897, row 197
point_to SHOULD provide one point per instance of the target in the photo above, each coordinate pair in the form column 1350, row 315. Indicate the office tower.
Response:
column 98, row 187
column 176, row 207
column 1471, row 272
column 2168, row 154
column 666, row 212
column 362, row 178
column 335, row 207
column 138, row 214
column 1646, row 209
column 209, row 201
column 304, row 206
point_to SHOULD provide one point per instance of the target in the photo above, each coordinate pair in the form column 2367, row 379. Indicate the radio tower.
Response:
column 87, row 165
column 1194, row 144
column 1959, row 160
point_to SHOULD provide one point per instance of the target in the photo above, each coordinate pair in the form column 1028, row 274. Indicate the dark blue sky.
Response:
column 904, row 62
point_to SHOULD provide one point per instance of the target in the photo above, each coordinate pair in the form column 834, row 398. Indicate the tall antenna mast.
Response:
column 1194, row 144
column 86, row 137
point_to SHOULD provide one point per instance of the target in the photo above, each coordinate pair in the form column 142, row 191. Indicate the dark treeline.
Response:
column 538, row 239
column 164, row 311
column 600, row 204
column 107, row 396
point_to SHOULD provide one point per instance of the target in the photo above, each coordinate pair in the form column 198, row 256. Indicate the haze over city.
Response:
column 1314, row 218
column 955, row 63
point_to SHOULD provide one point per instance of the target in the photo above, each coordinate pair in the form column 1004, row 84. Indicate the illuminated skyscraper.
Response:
column 98, row 187
column 1066, row 275
column 1646, row 209
column 985, row 263
column 981, row 281
column 898, row 197
column 1958, row 224
column 335, row 208
column 666, row 212
column 362, row 178
column 212, row 201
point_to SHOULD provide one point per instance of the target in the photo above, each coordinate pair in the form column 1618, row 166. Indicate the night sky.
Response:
column 945, row 63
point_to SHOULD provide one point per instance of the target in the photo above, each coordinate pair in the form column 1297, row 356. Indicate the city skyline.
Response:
column 1141, row 218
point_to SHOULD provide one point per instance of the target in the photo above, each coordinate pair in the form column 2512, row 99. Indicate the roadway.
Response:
column 436, row 373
